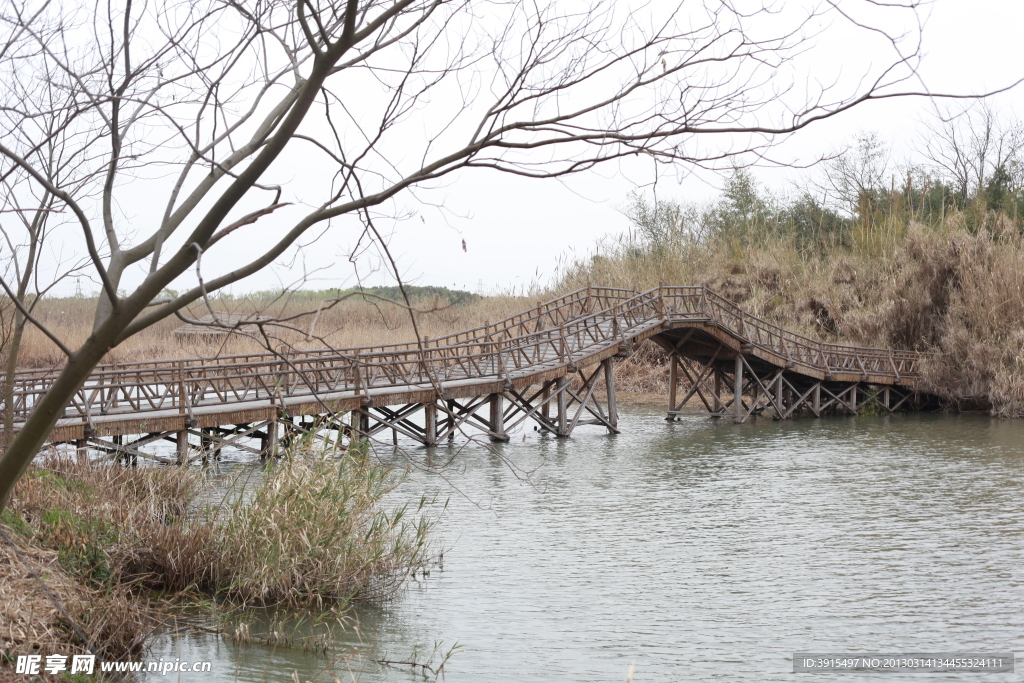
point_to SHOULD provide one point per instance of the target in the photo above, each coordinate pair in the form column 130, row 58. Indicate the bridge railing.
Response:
column 794, row 347
column 560, row 331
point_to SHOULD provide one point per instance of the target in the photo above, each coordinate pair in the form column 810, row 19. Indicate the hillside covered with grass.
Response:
column 865, row 253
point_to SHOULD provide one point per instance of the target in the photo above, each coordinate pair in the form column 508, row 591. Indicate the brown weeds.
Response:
column 313, row 531
column 353, row 322
column 954, row 289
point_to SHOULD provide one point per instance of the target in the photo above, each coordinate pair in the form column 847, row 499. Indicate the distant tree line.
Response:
column 971, row 164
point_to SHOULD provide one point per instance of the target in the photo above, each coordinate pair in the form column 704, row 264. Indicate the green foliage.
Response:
column 81, row 543
column 744, row 214
column 857, row 205
column 12, row 520
column 452, row 297
column 871, row 406
column 443, row 295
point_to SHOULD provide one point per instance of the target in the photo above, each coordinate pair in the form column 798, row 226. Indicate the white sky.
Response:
column 516, row 230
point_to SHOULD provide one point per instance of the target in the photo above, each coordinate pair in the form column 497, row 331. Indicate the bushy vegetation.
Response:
column 864, row 252
column 308, row 531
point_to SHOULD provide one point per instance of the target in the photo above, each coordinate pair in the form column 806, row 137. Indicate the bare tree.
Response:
column 207, row 108
column 29, row 216
column 968, row 147
column 855, row 177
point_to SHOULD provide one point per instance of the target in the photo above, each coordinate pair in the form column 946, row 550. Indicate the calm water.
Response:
column 701, row 550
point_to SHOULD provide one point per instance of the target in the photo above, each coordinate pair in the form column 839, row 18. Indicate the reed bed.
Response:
column 315, row 530
column 308, row 321
column 311, row 532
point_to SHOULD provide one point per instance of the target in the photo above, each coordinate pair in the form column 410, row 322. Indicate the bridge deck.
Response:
column 536, row 346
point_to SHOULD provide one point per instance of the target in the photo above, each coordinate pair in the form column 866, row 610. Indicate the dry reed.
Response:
column 313, row 531
column 954, row 288
column 350, row 323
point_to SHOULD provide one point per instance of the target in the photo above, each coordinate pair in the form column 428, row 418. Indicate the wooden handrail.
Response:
column 557, row 330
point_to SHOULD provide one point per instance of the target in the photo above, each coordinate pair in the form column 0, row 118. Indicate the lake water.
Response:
column 698, row 551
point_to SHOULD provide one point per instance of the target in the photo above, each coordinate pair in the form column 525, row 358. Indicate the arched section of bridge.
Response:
column 551, row 365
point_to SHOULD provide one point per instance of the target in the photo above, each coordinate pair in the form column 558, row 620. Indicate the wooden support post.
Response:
column 885, row 397
column 182, row 447
column 778, row 397
column 206, row 441
column 853, row 399
column 673, row 381
column 545, row 394
column 609, row 388
column 563, row 412
column 817, row 399
column 497, row 402
column 755, row 394
column 353, row 426
column 737, row 389
column 718, row 403
column 272, row 437
column 430, row 423
column 118, row 440
column 451, row 420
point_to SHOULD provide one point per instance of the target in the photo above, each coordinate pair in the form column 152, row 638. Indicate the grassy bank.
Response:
column 100, row 556
column 945, row 279
column 308, row 320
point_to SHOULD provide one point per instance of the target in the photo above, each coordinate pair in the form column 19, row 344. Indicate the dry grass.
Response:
column 353, row 322
column 311, row 532
column 39, row 617
column 955, row 289
column 315, row 530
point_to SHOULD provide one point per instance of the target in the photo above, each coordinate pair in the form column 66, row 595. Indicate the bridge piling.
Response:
column 562, row 405
column 430, row 424
column 181, row 450
column 737, row 390
column 673, row 383
column 609, row 389
column 497, row 407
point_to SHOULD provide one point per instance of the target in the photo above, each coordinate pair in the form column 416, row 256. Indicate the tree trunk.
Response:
column 8, row 389
column 50, row 408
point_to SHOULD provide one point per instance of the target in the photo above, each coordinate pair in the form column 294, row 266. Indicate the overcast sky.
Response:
column 515, row 231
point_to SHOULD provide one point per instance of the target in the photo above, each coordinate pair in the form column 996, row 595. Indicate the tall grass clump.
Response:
column 117, row 547
column 317, row 530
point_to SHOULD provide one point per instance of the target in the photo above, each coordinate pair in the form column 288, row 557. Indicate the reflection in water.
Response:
column 702, row 550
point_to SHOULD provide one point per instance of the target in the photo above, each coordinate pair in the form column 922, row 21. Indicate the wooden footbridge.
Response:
column 551, row 364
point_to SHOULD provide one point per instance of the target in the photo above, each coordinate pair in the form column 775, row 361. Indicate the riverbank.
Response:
column 949, row 284
column 94, row 558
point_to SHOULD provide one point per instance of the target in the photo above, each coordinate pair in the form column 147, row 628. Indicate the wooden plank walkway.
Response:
column 710, row 341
